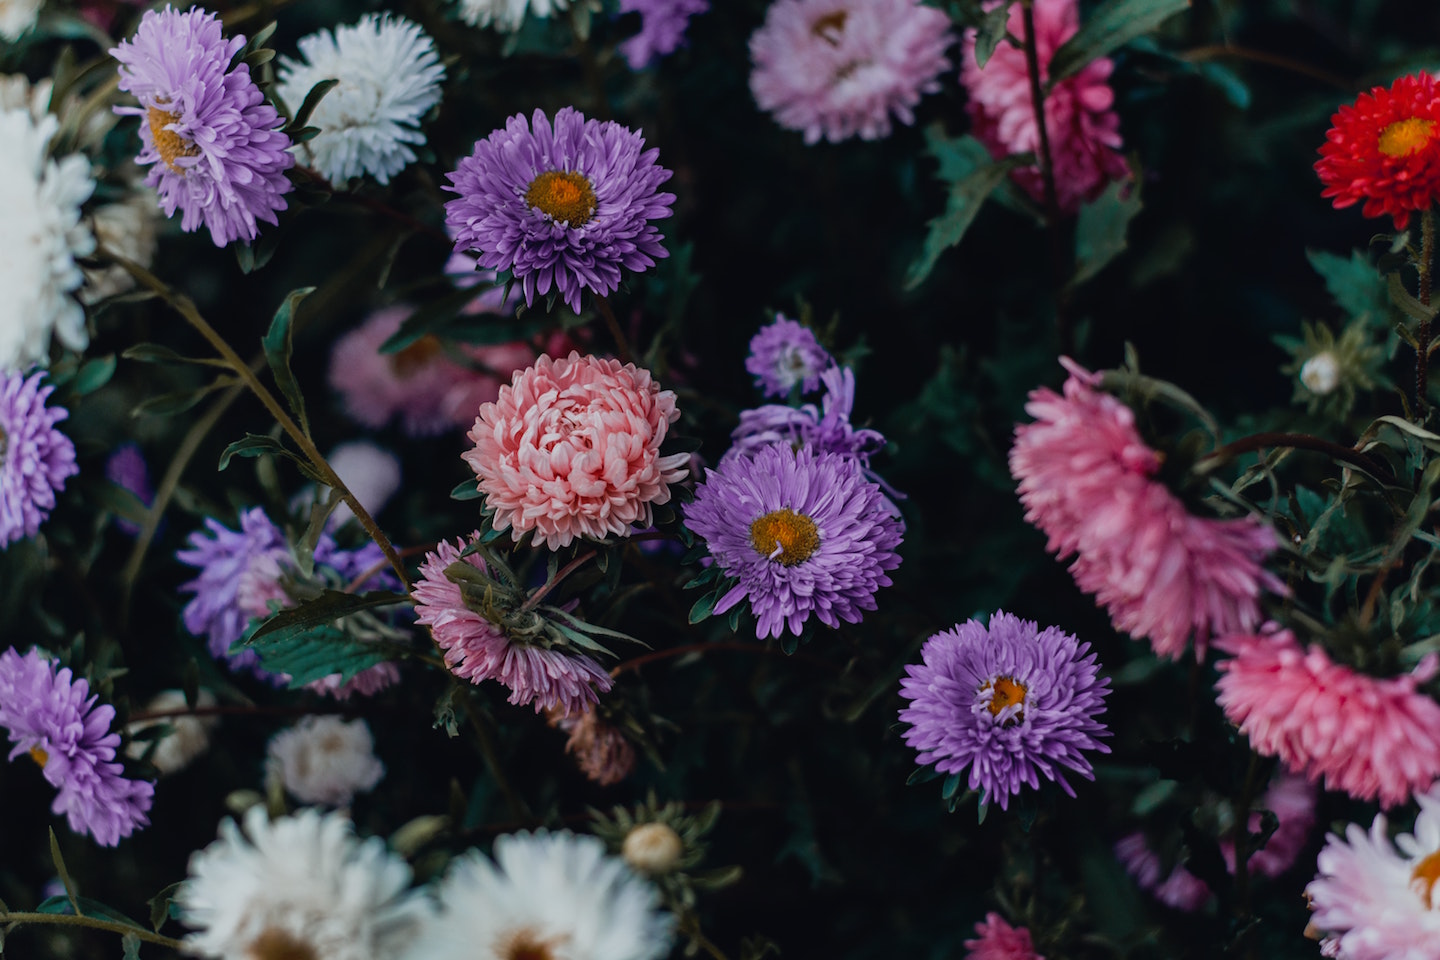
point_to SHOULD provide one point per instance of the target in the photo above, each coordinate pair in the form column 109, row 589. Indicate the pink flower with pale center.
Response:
column 1083, row 128
column 1368, row 736
column 997, row 940
column 476, row 649
column 571, row 448
column 1087, row 480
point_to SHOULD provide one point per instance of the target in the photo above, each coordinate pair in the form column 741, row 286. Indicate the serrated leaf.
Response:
column 1112, row 25
column 1101, row 228
column 308, row 105
column 1356, row 286
column 990, row 31
column 968, row 193
column 279, row 344
column 466, row 490
column 330, row 606
column 315, row 654
column 253, row 445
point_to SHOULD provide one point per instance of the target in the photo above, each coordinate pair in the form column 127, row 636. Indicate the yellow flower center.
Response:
column 275, row 944
column 1423, row 877
column 168, row 143
column 565, row 196
column 1405, row 137
column 407, row 362
column 785, row 536
column 1005, row 693
column 830, row 27
column 38, row 754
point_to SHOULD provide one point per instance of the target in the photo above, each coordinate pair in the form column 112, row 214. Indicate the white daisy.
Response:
column 323, row 759
column 41, row 234
column 389, row 77
column 1377, row 899
column 547, row 896
column 17, row 16
column 188, row 738
column 506, row 14
column 299, row 886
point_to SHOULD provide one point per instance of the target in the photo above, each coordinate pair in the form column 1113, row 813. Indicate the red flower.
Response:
column 1385, row 150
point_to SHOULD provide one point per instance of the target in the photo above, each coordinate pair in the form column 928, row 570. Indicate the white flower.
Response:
column 371, row 473
column 188, row 737
column 18, row 93
column 389, row 77
column 1321, row 373
column 127, row 228
column 40, row 235
column 506, row 14
column 547, row 896
column 298, row 886
column 1379, row 902
column 17, row 16
column 323, row 759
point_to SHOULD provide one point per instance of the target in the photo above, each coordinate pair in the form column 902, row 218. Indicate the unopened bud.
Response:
column 652, row 848
column 1321, row 373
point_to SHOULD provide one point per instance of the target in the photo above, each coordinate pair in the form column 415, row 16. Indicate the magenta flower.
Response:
column 1368, row 736
column 564, row 205
column 785, row 354
column 213, row 144
column 35, row 458
column 662, row 28
column 52, row 717
column 997, row 940
column 1083, row 129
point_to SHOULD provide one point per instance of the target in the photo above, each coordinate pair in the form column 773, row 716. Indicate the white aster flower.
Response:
column 371, row 473
column 1378, row 900
column 389, row 77
column 17, row 16
column 323, row 759
column 301, row 886
column 547, row 896
column 506, row 15
column 126, row 228
column 41, row 234
column 188, row 738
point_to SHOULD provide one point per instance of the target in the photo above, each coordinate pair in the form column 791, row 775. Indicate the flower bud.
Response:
column 652, row 848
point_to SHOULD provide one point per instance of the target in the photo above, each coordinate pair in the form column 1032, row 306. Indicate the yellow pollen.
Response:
column 830, row 27
column 1423, row 877
column 1404, row 137
column 1006, row 692
column 785, row 536
column 407, row 362
column 38, row 754
column 565, row 196
column 168, row 143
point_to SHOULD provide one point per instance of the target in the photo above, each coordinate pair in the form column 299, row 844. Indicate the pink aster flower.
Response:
column 1368, row 736
column 1292, row 799
column 476, row 649
column 842, row 68
column 1087, row 480
column 571, row 448
column 997, row 940
column 1083, row 129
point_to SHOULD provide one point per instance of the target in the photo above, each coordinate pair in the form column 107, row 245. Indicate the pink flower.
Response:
column 840, row 68
column 1366, row 735
column 367, row 682
column 1083, row 129
column 1087, row 480
column 427, row 388
column 1181, row 889
column 476, row 649
column 1292, row 799
column 571, row 448
column 997, row 940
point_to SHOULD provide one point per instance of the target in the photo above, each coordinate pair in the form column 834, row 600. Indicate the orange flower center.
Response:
column 527, row 944
column 1005, row 692
column 407, row 362
column 1405, row 137
column 785, row 536
column 1423, row 877
column 168, row 143
column 275, row 944
column 38, row 754
column 565, row 196
column 830, row 27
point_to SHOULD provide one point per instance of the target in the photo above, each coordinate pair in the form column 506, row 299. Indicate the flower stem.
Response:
column 1422, row 335
column 622, row 346
column 94, row 923
column 1045, row 159
column 563, row 572
column 635, row 663
column 1296, row 441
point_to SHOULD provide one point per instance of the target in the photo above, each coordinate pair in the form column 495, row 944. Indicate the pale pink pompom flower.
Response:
column 571, row 448
column 1368, row 736
column 1083, row 129
column 476, row 649
column 997, row 940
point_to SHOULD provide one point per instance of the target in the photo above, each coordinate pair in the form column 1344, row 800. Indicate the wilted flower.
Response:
column 785, row 354
column 35, row 458
column 324, row 759
column 601, row 751
column 506, row 15
column 126, row 228
column 997, row 940
column 188, row 737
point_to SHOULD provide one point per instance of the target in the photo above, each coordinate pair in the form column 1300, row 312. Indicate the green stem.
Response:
column 1422, row 335
column 564, row 572
column 1045, row 159
column 1295, row 441
column 622, row 346
column 94, row 923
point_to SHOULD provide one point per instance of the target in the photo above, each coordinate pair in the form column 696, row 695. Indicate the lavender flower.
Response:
column 662, row 28
column 52, row 717
column 803, row 532
column 1011, row 702
column 239, row 571
column 35, row 458
column 566, row 205
column 126, row 469
column 785, row 354
column 216, row 147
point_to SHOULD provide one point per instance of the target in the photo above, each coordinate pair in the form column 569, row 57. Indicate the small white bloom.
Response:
column 188, row 738
column 324, row 759
column 506, row 15
column 41, row 234
column 298, row 886
column 389, row 77
column 1321, row 373
column 371, row 473
column 17, row 16
column 127, row 228
column 652, row 848
column 547, row 896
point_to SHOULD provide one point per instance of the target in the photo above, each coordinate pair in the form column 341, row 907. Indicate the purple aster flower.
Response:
column 566, row 205
column 802, row 531
column 126, row 468
column 1011, row 702
column 784, row 354
column 216, row 147
column 53, row 718
column 35, row 458
column 662, row 28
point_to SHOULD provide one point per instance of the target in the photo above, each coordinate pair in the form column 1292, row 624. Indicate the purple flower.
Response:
column 784, row 354
column 126, row 469
column 53, row 718
column 216, row 145
column 802, row 531
column 662, row 28
column 564, row 206
column 1010, row 702
column 35, row 458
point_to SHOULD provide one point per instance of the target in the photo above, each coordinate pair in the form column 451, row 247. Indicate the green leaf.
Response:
column 466, row 490
column 974, row 176
column 85, row 907
column 1101, row 228
column 1112, row 25
column 93, row 375
column 705, row 606
column 130, row 945
column 254, row 445
column 158, row 353
column 312, row 100
column 168, row 404
column 1356, row 286
column 330, row 606
column 315, row 653
column 320, row 512
column 59, row 861
column 279, row 345
column 990, row 31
